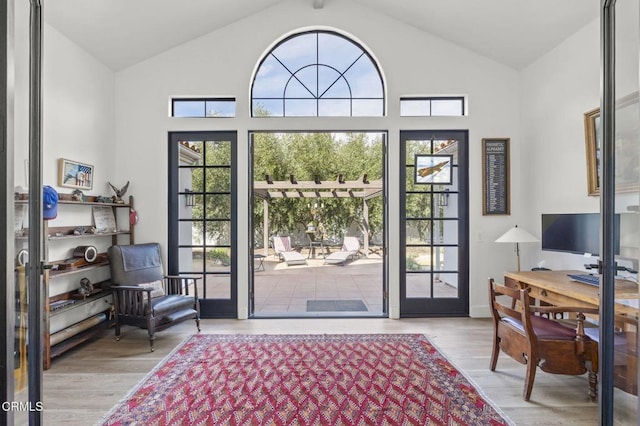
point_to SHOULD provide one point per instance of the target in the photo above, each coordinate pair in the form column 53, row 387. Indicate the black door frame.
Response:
column 209, row 308
column 438, row 307
column 7, row 282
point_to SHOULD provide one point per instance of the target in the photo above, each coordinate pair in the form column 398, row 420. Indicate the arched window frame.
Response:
column 378, row 99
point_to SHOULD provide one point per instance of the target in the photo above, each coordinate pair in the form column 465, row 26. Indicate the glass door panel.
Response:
column 627, row 178
column 202, row 228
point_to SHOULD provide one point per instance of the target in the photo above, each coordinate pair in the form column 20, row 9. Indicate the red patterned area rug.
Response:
column 373, row 379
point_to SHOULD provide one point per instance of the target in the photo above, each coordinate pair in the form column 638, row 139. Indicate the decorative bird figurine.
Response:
column 119, row 192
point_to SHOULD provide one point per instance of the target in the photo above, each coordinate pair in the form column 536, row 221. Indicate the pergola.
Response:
column 362, row 188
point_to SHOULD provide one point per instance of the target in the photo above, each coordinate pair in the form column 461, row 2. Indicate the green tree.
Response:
column 322, row 156
column 213, row 186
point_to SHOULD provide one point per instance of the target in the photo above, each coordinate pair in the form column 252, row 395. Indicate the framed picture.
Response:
column 433, row 169
column 496, row 191
column 73, row 174
column 627, row 146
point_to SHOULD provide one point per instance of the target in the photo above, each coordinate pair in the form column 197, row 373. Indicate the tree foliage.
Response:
column 318, row 156
column 212, row 184
column 307, row 156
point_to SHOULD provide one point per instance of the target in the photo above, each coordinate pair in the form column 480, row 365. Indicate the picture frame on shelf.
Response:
column 433, row 169
column 627, row 146
column 74, row 174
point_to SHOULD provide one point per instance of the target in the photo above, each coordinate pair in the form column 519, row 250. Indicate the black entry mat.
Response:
column 336, row 306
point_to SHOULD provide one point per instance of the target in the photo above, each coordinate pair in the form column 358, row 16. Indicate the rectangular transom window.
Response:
column 203, row 107
column 432, row 106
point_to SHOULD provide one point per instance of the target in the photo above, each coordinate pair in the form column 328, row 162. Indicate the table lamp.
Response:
column 517, row 235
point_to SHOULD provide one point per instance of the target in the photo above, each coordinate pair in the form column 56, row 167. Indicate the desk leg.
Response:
column 625, row 370
column 593, row 385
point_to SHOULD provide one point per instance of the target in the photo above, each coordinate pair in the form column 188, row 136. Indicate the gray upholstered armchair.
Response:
column 143, row 296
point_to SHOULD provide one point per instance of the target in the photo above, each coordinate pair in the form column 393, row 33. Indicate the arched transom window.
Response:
column 317, row 74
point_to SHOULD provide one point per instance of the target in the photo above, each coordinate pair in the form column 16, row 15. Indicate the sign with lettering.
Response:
column 104, row 219
column 495, row 177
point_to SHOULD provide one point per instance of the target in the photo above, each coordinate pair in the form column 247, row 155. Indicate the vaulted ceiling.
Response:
column 121, row 33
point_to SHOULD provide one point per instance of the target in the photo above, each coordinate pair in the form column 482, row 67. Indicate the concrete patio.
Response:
column 282, row 290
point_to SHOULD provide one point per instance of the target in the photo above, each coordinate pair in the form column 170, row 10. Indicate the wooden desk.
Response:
column 556, row 288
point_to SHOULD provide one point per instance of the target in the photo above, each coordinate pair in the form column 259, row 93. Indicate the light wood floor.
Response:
column 85, row 383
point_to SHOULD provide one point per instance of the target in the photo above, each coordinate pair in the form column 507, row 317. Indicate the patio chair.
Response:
column 350, row 249
column 282, row 246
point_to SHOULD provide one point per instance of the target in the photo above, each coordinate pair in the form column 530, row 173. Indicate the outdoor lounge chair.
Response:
column 282, row 246
column 350, row 249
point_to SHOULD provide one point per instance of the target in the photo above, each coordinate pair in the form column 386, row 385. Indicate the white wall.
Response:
column 221, row 64
column 21, row 118
column 78, row 110
column 556, row 92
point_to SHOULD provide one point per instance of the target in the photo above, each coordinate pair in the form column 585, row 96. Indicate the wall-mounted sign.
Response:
column 495, row 177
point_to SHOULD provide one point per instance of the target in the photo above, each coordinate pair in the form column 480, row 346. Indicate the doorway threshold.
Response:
column 290, row 315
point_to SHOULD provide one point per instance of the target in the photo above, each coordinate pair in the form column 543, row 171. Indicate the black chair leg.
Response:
column 152, row 337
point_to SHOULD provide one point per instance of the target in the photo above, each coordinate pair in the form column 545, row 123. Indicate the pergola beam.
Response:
column 301, row 194
column 309, row 184
column 269, row 189
column 292, row 188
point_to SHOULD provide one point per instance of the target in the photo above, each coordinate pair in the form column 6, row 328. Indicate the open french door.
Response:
column 434, row 229
column 202, row 216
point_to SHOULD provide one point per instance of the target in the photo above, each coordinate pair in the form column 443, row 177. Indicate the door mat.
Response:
column 336, row 306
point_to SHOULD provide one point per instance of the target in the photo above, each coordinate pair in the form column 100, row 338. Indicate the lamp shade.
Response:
column 517, row 235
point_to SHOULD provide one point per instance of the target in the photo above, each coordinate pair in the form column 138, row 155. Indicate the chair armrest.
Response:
column 581, row 336
column 187, row 277
column 563, row 309
column 633, row 321
column 130, row 299
column 179, row 284
column 130, row 287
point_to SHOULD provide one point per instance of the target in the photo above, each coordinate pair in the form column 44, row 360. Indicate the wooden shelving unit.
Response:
column 82, row 317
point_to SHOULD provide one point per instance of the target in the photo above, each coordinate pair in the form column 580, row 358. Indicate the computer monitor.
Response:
column 575, row 233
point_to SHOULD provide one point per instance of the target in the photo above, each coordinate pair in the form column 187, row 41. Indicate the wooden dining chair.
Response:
column 541, row 341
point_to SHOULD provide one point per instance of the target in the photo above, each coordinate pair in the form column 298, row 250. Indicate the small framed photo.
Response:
column 73, row 174
column 433, row 169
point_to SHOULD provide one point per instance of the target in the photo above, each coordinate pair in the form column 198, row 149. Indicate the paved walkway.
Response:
column 285, row 290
